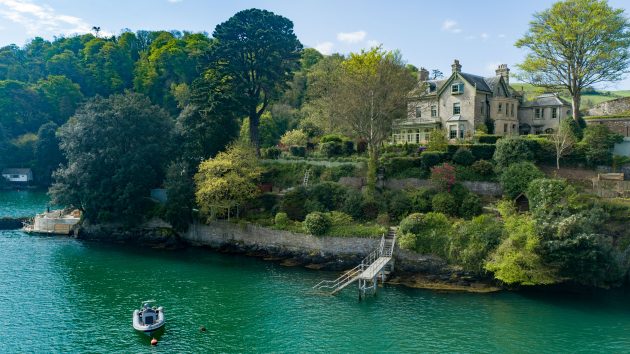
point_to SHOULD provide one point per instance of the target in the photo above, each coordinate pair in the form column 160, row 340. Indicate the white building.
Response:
column 20, row 175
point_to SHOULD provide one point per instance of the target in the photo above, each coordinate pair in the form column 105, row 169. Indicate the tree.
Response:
column 117, row 149
column 563, row 140
column 180, row 190
column 370, row 94
column 227, row 181
column 511, row 150
column 576, row 44
column 517, row 177
column 62, row 97
column 472, row 241
column 437, row 140
column 295, row 137
column 260, row 52
column 48, row 156
column 436, row 74
column 598, row 143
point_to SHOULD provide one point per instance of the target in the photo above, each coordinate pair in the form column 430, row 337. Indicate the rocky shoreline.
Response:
column 411, row 269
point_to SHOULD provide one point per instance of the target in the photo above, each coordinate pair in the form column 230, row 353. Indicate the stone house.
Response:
column 18, row 175
column 543, row 114
column 463, row 103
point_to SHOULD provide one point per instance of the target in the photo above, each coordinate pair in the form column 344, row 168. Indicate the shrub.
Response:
column 407, row 241
column 353, row 204
column 479, row 151
column 598, row 143
column 310, row 129
column 335, row 173
column 517, row 177
column 399, row 166
column 271, row 153
column 488, row 139
column 328, row 138
column 338, row 218
column 369, row 209
column 348, row 147
column 463, row 157
column 330, row 195
column 411, row 224
column 361, row 146
column 459, row 192
column 281, row 219
column 512, row 150
column 430, row 230
column 298, row 151
column 444, row 203
column 383, row 219
column 293, row 203
column 483, row 168
column 431, row 158
column 472, row 242
column 437, row 140
column 399, row 205
column 443, row 176
column 471, row 206
column 421, row 199
column 295, row 137
column 316, row 223
column 331, row 148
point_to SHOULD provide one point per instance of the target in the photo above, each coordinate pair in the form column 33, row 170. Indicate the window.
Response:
column 505, row 129
column 554, row 113
column 513, row 127
column 500, row 107
column 15, row 176
column 537, row 113
column 434, row 111
column 457, row 88
column 417, row 136
column 427, row 134
column 453, row 132
column 462, row 130
column 456, row 108
column 512, row 110
column 418, row 112
column 482, row 109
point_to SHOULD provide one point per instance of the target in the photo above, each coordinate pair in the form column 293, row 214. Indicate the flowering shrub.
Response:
column 443, row 176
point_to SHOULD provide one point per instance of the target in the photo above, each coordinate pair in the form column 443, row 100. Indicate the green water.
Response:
column 62, row 295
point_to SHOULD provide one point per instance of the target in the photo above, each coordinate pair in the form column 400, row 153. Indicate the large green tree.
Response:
column 117, row 149
column 576, row 44
column 260, row 52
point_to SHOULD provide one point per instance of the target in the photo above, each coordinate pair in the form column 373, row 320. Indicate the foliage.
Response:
column 260, row 52
column 369, row 209
column 463, row 157
column 563, row 140
column 180, row 192
column 437, row 141
column 398, row 205
column 598, row 143
column 488, row 139
column 472, row 241
column 295, row 137
column 330, row 195
column 317, row 223
column 430, row 230
column 338, row 218
column 407, row 241
column 353, row 204
column 298, row 151
column 470, row 206
column 421, row 199
column 227, row 181
column 478, row 151
column 271, row 153
column 293, row 203
column 331, row 148
column 336, row 138
column 116, row 153
column 445, row 203
column 576, row 44
column 281, row 219
column 443, row 176
column 431, row 158
column 402, row 166
column 517, row 177
column 48, row 157
column 511, row 150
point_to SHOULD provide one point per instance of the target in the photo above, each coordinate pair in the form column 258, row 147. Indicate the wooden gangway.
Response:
column 368, row 272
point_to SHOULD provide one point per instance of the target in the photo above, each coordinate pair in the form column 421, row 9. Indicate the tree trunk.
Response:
column 575, row 105
column 371, row 173
column 253, row 132
column 557, row 162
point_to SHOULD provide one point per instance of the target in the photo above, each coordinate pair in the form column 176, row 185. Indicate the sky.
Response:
column 430, row 34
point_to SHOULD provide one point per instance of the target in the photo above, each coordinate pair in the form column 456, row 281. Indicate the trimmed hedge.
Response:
column 479, row 151
column 488, row 139
column 432, row 158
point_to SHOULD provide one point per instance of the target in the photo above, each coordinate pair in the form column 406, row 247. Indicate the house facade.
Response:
column 543, row 115
column 18, row 175
column 463, row 103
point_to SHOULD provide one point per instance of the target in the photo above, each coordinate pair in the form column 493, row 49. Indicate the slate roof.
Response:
column 546, row 99
column 17, row 171
column 477, row 81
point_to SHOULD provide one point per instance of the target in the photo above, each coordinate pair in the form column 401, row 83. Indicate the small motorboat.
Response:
column 148, row 319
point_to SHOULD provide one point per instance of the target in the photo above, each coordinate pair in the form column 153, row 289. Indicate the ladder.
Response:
column 306, row 177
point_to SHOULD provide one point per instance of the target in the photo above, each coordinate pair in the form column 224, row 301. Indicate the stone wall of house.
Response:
column 618, row 125
column 618, row 106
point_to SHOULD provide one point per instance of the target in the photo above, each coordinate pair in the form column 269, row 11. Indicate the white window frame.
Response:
column 554, row 113
column 537, row 113
column 418, row 112
column 457, row 88
column 457, row 105
column 433, row 111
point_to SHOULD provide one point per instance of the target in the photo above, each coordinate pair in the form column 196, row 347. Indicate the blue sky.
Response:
column 481, row 34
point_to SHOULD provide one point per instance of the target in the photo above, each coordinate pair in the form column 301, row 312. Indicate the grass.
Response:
column 588, row 99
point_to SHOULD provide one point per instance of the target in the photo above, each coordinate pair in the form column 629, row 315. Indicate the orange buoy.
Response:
column 153, row 341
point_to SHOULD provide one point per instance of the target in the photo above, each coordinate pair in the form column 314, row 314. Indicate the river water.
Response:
column 62, row 295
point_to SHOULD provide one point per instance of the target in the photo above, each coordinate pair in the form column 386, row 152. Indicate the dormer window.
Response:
column 457, row 88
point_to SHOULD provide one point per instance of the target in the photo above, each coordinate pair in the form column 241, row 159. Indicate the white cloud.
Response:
column 351, row 37
column 451, row 26
column 471, row 37
column 43, row 18
column 174, row 1
column 501, row 35
column 484, row 36
column 325, row 47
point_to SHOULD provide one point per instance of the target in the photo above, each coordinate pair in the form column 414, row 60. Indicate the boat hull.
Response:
column 139, row 326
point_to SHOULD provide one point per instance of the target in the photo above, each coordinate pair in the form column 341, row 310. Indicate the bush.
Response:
column 271, row 153
column 430, row 230
column 330, row 195
column 407, row 241
column 472, row 242
column 328, row 138
column 444, row 203
column 399, row 166
column 512, row 150
column 336, row 172
column 348, row 147
column 517, row 177
column 298, row 151
column 331, row 148
column 281, row 219
column 470, row 207
column 483, row 168
column 437, row 140
column 369, row 209
column 316, row 223
column 352, row 204
column 598, row 143
column 411, row 224
column 488, row 139
column 361, row 146
column 431, row 158
column 293, row 203
column 338, row 218
column 463, row 157
column 443, row 176
column 383, row 219
column 399, row 205
column 421, row 199
column 295, row 137
column 479, row 151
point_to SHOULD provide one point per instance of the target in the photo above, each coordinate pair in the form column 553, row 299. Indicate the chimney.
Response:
column 504, row 71
column 424, row 74
column 457, row 68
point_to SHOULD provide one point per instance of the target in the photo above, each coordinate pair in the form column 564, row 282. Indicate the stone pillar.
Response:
column 423, row 74
column 456, row 66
